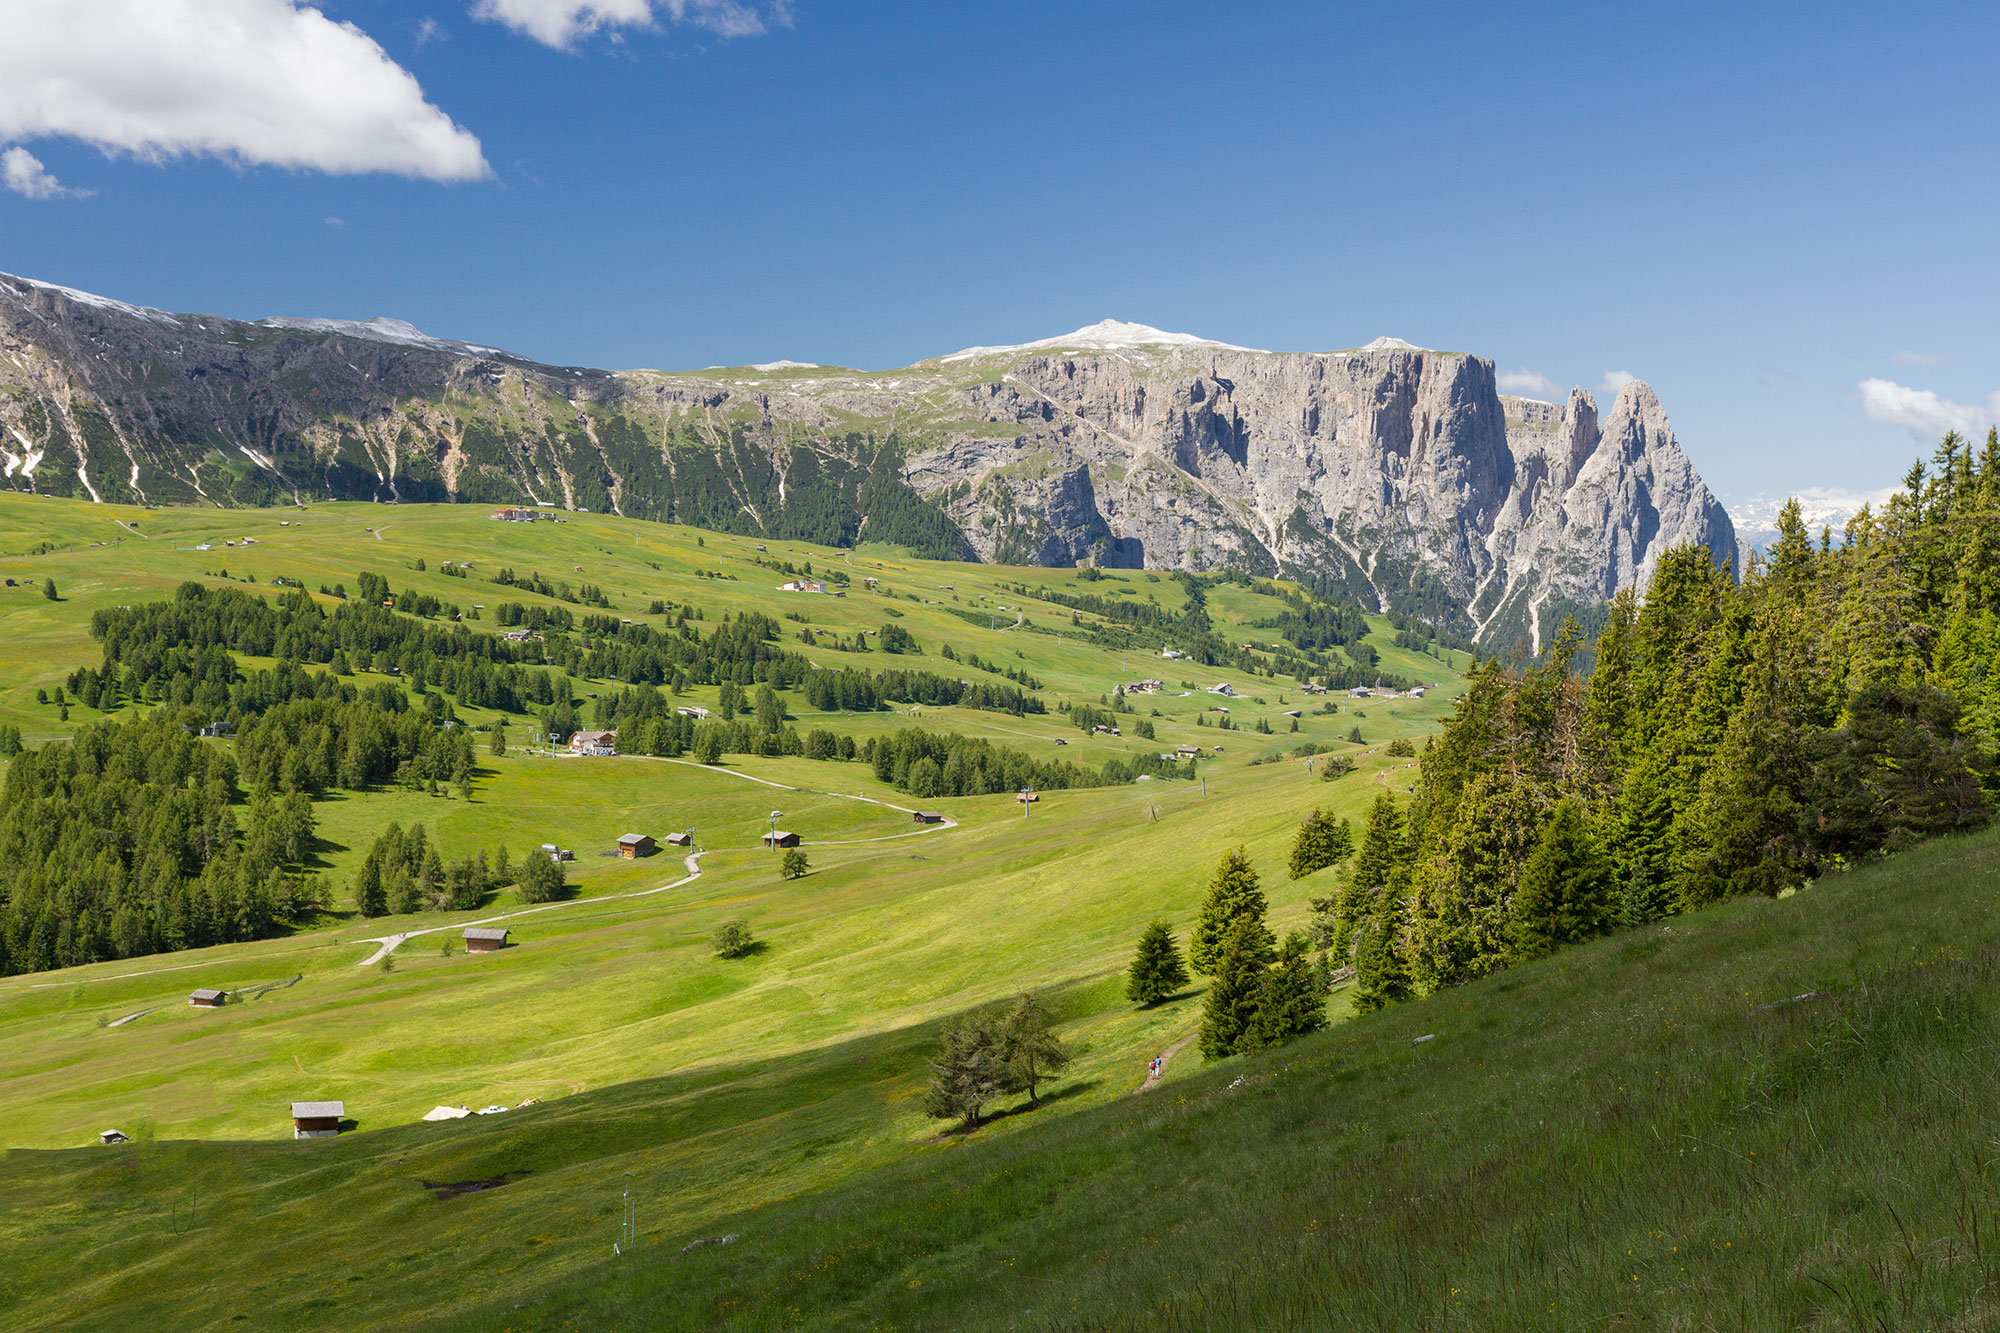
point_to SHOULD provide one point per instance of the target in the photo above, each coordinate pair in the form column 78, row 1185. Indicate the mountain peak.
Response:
column 1106, row 335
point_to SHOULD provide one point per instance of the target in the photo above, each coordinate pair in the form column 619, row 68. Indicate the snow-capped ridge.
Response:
column 1106, row 335
column 381, row 329
column 144, row 312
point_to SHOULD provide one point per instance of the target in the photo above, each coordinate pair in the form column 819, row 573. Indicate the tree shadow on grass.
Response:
column 960, row 1132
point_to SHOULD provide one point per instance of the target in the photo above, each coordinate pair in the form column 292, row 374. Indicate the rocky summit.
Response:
column 1396, row 473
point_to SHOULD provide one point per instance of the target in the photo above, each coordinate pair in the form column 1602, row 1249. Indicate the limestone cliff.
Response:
column 1397, row 472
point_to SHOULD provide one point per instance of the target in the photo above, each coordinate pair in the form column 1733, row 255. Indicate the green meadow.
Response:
column 624, row 1044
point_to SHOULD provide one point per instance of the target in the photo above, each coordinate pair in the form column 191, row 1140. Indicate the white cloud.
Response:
column 335, row 222
column 1915, row 359
column 253, row 82
column 560, row 23
column 1921, row 412
column 23, row 173
column 1529, row 384
column 1614, row 380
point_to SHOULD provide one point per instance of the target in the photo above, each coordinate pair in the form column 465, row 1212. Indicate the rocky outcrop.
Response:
column 1397, row 472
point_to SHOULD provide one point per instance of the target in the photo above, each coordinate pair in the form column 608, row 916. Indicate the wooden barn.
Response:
column 780, row 838
column 680, row 840
column 926, row 817
column 209, row 999
column 485, row 939
column 635, row 845
column 317, row 1120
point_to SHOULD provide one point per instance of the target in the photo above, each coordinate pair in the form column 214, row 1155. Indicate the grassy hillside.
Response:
column 726, row 1084
column 1650, row 1131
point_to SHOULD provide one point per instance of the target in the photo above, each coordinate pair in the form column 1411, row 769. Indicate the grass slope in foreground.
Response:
column 1770, row 1114
column 1650, row 1131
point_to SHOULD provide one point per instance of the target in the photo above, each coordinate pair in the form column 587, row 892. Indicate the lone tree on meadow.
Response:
column 499, row 746
column 1568, row 891
column 794, row 864
column 1322, row 841
column 49, row 590
column 1029, row 1046
column 967, row 1073
column 1157, row 969
column 732, row 939
column 1233, row 893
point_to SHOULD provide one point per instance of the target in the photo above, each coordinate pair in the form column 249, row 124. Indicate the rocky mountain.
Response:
column 1396, row 472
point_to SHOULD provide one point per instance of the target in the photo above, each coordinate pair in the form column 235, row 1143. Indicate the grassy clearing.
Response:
column 716, row 1086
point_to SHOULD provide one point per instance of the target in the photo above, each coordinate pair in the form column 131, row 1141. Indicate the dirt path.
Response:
column 1153, row 1078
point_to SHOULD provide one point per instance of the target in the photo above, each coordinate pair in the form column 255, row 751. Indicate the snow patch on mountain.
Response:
column 101, row 302
column 381, row 329
column 1107, row 335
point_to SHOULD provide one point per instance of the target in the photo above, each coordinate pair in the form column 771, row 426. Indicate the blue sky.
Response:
column 1783, row 221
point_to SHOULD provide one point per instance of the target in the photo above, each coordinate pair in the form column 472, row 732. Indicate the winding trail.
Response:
column 1153, row 1076
column 389, row 943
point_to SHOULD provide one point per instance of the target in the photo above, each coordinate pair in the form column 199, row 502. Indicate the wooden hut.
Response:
column 113, row 1136
column 679, row 840
column 635, row 845
column 926, row 817
column 208, row 999
column 317, row 1120
column 485, row 939
column 780, row 838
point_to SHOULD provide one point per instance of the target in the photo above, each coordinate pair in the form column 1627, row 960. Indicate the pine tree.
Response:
column 369, row 898
column 1029, row 1047
column 49, row 590
column 1380, row 977
column 1157, row 971
column 1384, row 851
column 1293, row 1002
column 1230, row 1009
column 541, row 879
column 1321, row 841
column 499, row 745
column 1569, row 889
column 967, row 1072
column 1233, row 893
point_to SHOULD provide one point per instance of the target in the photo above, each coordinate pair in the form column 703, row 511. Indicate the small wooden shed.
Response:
column 1025, row 797
column 635, row 845
column 113, row 1136
column 780, row 838
column 209, row 999
column 926, row 817
column 679, row 840
column 485, row 939
column 317, row 1120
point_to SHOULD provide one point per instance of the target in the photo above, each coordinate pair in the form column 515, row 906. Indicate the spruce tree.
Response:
column 1293, row 1002
column 1384, row 851
column 1230, row 1009
column 499, row 745
column 1233, row 893
column 1157, row 971
column 1569, row 889
column 1380, row 977
column 1321, row 841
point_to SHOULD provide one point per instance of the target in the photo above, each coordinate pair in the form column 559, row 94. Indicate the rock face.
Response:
column 1398, row 473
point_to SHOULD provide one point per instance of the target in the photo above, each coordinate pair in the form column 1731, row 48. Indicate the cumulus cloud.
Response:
column 559, row 23
column 1614, row 380
column 252, row 82
column 1529, row 384
column 23, row 173
column 1922, row 413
